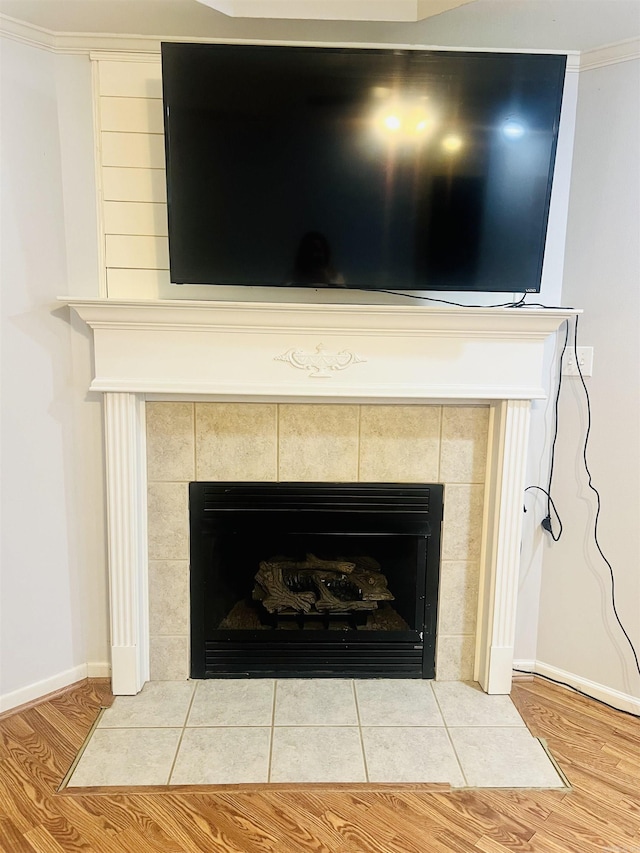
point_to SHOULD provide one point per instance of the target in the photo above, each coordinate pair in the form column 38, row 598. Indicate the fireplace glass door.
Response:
column 314, row 579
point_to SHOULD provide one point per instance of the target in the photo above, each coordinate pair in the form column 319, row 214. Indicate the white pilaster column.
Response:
column 127, row 540
column 509, row 434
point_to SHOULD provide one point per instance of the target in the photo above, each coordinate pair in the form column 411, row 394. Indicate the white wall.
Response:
column 48, row 239
column 577, row 631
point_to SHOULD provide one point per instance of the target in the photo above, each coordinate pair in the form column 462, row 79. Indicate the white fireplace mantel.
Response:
column 315, row 352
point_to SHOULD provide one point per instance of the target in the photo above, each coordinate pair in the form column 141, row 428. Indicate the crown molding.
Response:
column 611, row 54
column 146, row 48
column 139, row 48
column 77, row 43
column 27, row 33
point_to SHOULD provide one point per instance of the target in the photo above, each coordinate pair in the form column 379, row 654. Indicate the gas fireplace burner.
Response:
column 314, row 579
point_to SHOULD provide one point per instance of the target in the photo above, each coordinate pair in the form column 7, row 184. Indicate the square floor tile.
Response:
column 159, row 703
column 219, row 756
column 315, row 702
column 401, row 754
column 127, row 757
column 504, row 758
column 401, row 702
column 317, row 754
column 466, row 704
column 233, row 702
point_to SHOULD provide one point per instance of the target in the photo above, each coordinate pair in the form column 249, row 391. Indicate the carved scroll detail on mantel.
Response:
column 321, row 363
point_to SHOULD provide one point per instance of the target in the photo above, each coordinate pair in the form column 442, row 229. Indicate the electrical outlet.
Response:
column 585, row 360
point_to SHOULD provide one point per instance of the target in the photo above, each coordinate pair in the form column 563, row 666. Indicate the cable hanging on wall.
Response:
column 585, row 447
column 546, row 522
column 552, row 512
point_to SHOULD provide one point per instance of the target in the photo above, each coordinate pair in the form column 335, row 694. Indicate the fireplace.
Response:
column 243, row 352
column 314, row 579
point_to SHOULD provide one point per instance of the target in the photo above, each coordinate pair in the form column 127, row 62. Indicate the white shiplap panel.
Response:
column 131, row 115
column 136, row 218
column 156, row 284
column 138, row 284
column 129, row 252
column 121, row 184
column 145, row 150
column 130, row 79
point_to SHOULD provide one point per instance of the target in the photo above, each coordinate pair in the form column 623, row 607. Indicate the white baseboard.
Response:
column 623, row 701
column 31, row 692
column 99, row 669
column 525, row 665
column 41, row 688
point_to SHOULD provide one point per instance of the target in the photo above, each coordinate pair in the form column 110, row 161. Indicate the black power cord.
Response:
column 598, row 500
column 546, row 521
column 520, row 303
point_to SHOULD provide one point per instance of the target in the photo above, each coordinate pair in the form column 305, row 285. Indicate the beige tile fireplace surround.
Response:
column 318, row 442
column 315, row 391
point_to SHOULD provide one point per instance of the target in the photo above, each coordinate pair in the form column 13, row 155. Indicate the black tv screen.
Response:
column 365, row 168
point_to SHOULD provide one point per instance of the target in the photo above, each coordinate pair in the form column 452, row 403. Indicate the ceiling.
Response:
column 509, row 24
column 335, row 10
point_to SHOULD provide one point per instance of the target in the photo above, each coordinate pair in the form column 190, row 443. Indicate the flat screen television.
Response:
column 377, row 169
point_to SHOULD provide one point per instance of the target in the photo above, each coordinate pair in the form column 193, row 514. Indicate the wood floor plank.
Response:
column 293, row 821
column 596, row 747
column 532, row 806
column 136, row 840
column 608, row 815
column 405, row 813
column 564, row 842
column 98, row 830
column 70, row 723
column 182, row 819
column 629, row 768
column 37, row 743
column 12, row 838
column 42, row 841
column 449, row 841
column 243, row 828
column 66, row 835
column 26, row 794
column 486, row 844
column 481, row 816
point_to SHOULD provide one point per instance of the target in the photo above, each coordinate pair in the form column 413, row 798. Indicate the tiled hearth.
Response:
column 313, row 730
column 322, row 442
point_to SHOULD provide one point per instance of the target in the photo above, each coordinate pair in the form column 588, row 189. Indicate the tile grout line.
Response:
column 194, row 436
column 449, row 738
column 271, row 734
column 364, row 755
column 199, row 726
column 184, row 728
column 277, row 436
column 359, row 442
column 440, row 430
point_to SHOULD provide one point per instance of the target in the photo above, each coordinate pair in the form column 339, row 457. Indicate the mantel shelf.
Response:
column 244, row 350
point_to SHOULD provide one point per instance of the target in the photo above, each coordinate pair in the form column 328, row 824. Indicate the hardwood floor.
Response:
column 597, row 748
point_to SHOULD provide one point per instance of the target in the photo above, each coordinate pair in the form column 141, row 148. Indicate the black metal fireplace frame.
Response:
column 414, row 510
